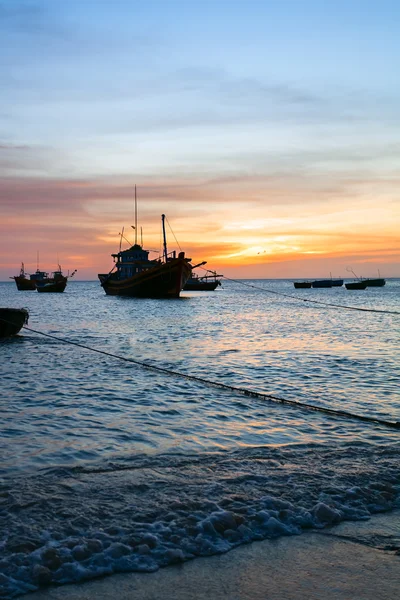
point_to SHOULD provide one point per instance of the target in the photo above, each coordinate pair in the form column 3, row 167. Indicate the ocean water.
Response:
column 106, row 466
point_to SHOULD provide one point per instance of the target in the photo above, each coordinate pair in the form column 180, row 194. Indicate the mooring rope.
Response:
column 293, row 297
column 224, row 386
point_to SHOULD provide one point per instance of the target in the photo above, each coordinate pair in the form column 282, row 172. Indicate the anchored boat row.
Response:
column 42, row 281
column 360, row 284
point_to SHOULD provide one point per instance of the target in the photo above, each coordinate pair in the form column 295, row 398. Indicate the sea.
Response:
column 107, row 466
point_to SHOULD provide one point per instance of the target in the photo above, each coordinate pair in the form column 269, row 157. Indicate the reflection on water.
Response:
column 64, row 405
column 108, row 467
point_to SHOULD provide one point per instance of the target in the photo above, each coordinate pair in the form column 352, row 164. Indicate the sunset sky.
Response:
column 268, row 132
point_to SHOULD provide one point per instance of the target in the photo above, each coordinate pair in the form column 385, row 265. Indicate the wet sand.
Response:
column 353, row 561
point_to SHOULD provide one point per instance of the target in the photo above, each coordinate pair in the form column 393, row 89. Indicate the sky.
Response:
column 268, row 133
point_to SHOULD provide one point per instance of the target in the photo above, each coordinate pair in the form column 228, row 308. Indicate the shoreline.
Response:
column 352, row 560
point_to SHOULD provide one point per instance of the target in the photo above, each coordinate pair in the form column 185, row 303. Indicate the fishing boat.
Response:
column 337, row 282
column 23, row 283
column 356, row 285
column 135, row 275
column 39, row 276
column 202, row 283
column 54, row 284
column 379, row 282
column 12, row 320
column 322, row 283
column 302, row 284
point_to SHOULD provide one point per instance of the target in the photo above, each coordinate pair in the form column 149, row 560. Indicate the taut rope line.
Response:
column 231, row 388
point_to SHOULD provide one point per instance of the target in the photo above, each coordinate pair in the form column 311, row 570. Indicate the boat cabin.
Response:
column 132, row 261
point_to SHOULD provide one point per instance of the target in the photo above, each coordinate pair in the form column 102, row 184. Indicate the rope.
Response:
column 231, row 388
column 293, row 297
column 173, row 234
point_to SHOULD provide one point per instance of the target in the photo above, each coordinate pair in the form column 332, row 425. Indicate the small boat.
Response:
column 12, row 320
column 23, row 283
column 322, row 283
column 302, row 284
column 39, row 276
column 356, row 285
column 55, row 284
column 135, row 275
column 202, row 283
column 375, row 282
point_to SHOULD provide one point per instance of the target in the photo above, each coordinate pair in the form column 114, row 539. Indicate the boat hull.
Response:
column 201, row 286
column 299, row 285
column 164, row 280
column 375, row 282
column 323, row 283
column 337, row 282
column 24, row 284
column 356, row 285
column 12, row 320
column 55, row 287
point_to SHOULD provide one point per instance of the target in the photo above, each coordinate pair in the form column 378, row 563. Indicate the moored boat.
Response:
column 379, row 282
column 203, row 283
column 337, row 282
column 55, row 284
column 135, row 275
column 356, row 285
column 12, row 320
column 23, row 283
column 322, row 283
column 302, row 284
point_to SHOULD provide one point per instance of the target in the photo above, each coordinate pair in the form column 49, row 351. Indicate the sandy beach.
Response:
column 352, row 561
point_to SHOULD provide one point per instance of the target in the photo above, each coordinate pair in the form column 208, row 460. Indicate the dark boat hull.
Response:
column 164, row 280
column 337, row 282
column 323, row 283
column 375, row 282
column 12, row 320
column 302, row 284
column 24, row 284
column 200, row 286
column 356, row 285
column 54, row 287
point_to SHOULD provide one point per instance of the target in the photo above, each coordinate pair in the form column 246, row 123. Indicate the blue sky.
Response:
column 305, row 93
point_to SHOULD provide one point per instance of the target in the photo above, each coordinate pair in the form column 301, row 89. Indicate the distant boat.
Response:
column 55, row 284
column 202, row 283
column 322, row 283
column 38, row 276
column 137, row 276
column 22, row 281
column 375, row 282
column 327, row 283
column 302, row 284
column 356, row 285
column 12, row 320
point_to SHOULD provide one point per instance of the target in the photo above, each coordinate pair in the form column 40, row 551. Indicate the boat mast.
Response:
column 164, row 237
column 135, row 217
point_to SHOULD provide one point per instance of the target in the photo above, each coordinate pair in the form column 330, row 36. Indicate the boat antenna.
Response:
column 120, row 239
column 164, row 237
column 141, row 236
column 135, row 217
column 37, row 259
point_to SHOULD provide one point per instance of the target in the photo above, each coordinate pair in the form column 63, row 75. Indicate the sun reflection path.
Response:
column 253, row 394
